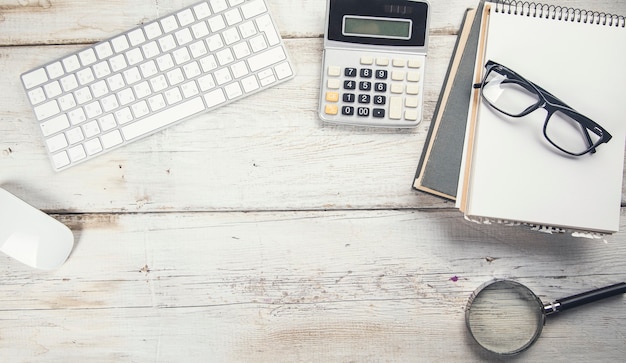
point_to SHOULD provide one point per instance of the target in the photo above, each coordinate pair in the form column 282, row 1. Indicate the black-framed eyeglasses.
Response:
column 513, row 95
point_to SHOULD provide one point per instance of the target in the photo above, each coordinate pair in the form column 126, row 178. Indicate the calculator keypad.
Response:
column 375, row 90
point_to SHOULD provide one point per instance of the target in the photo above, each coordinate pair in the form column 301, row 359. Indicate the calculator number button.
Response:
column 347, row 110
column 366, row 73
column 349, row 85
column 348, row 97
column 364, row 99
column 380, row 100
column 365, row 86
column 363, row 111
column 350, row 72
column 380, row 87
column 381, row 74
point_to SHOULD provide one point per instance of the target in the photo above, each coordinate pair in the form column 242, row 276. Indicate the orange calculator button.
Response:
column 332, row 96
column 331, row 109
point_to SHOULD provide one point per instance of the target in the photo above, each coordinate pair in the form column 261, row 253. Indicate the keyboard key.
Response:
column 118, row 63
column 77, row 153
column 60, row 160
column 184, row 36
column 202, row 10
column 75, row 135
column 53, row 89
column 35, row 78
column 120, row 43
column 101, row 69
column 247, row 29
column 93, row 146
column 47, row 110
column 167, row 43
column 99, row 89
column 162, row 119
column 55, row 125
column 123, row 116
column 157, row 102
column 136, row 37
column 262, row 60
column 87, row 57
column 218, row 5
column 250, row 84
column 107, row 122
column 173, row 96
column 239, row 69
column 77, row 116
column 104, row 50
column 265, row 25
column 93, row 110
column 142, row 90
column 253, row 8
column 153, row 30
column 71, row 63
column 185, row 17
column 169, row 24
column 134, row 56
column 198, row 49
column 67, row 102
column 56, row 143
column 91, row 129
column 233, row 90
column 111, row 139
column 36, row 96
column 216, row 23
column 214, row 98
column 283, row 70
column 55, row 70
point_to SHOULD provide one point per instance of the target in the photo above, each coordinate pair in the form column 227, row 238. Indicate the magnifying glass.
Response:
column 505, row 317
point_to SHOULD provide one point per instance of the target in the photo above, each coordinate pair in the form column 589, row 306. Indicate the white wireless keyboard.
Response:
column 153, row 76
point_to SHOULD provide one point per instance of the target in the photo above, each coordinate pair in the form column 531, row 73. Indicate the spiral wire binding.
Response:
column 539, row 10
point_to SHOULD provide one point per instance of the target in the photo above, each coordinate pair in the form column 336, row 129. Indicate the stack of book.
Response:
column 502, row 168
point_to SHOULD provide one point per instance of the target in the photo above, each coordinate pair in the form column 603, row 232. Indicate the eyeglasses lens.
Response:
column 568, row 134
column 509, row 95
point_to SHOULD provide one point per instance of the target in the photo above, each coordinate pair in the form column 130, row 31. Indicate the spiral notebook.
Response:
column 511, row 172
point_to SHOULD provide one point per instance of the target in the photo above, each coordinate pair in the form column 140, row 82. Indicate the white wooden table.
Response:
column 257, row 233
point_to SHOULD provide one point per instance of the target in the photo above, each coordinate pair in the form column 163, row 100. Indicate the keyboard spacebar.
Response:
column 163, row 118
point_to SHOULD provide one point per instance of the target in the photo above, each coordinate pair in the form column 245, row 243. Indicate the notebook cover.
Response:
column 438, row 169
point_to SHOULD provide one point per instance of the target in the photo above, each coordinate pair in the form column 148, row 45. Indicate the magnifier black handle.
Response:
column 584, row 298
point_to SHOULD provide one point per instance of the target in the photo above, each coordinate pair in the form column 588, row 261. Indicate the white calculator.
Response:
column 373, row 62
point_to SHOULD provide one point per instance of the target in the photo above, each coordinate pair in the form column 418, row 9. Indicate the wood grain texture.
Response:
column 296, row 286
column 258, row 233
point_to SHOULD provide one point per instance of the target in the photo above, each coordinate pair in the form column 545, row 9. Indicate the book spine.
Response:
column 560, row 13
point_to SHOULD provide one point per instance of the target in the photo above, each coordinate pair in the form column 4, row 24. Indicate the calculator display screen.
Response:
column 401, row 23
column 377, row 27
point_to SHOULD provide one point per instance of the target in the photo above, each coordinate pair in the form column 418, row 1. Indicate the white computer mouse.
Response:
column 31, row 236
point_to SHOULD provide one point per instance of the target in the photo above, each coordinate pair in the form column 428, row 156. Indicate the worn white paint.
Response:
column 257, row 233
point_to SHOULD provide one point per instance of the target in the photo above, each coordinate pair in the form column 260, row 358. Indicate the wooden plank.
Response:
column 239, row 157
column 71, row 22
column 297, row 286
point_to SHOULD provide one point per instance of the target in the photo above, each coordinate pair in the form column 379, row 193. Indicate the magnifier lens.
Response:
column 504, row 317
